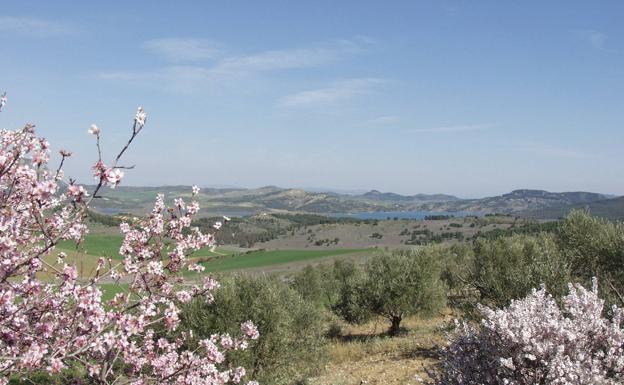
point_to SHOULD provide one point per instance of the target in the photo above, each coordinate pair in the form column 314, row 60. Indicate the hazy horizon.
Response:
column 454, row 97
column 355, row 191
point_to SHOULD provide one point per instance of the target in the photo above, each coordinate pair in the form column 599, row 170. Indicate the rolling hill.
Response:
column 238, row 201
column 607, row 208
column 518, row 202
column 375, row 195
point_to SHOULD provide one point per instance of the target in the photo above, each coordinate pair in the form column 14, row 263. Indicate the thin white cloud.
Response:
column 27, row 26
column 179, row 78
column 595, row 39
column 228, row 67
column 382, row 120
column 182, row 49
column 273, row 60
column 276, row 60
column 339, row 91
column 124, row 75
column 459, row 128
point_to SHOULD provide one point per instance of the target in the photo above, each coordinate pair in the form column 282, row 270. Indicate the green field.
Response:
column 110, row 289
column 223, row 259
column 85, row 256
column 97, row 245
column 274, row 257
column 108, row 246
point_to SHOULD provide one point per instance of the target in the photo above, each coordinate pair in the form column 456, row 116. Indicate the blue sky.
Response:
column 472, row 98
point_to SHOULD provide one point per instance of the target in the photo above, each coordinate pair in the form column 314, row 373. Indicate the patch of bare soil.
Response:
column 365, row 355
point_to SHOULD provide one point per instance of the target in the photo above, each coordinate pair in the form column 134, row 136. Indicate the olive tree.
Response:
column 508, row 268
column 291, row 346
column 308, row 282
column 401, row 284
column 594, row 247
column 346, row 294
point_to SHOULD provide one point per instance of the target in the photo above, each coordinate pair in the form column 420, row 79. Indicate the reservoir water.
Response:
column 380, row 215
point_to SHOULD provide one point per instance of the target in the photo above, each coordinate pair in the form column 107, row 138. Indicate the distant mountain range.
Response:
column 607, row 208
column 240, row 201
column 392, row 197
column 520, row 202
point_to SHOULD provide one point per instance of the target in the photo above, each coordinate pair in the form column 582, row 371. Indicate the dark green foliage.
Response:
column 391, row 286
column 457, row 261
column 594, row 247
column 326, row 242
column 527, row 229
column 247, row 231
column 402, row 284
column 291, row 344
column 348, row 297
column 507, row 268
column 438, row 217
column 334, row 331
column 308, row 283
column 427, row 237
column 106, row 220
column 507, row 264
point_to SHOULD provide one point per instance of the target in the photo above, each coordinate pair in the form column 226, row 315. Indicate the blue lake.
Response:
column 380, row 215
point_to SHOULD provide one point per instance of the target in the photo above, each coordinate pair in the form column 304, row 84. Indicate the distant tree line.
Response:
column 527, row 228
column 438, row 217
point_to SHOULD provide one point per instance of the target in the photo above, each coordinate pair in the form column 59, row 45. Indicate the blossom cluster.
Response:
column 52, row 318
column 535, row 341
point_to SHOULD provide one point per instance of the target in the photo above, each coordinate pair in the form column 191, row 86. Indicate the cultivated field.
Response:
column 272, row 261
column 302, row 245
column 387, row 233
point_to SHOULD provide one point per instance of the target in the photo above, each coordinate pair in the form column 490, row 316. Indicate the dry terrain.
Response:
column 364, row 355
column 381, row 234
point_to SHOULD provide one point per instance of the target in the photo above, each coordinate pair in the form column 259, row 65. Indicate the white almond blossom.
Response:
column 3, row 100
column 94, row 130
column 537, row 341
column 140, row 117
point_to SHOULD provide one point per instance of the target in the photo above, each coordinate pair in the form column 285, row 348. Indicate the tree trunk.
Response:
column 396, row 325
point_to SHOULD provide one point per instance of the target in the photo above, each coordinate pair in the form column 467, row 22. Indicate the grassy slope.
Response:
column 274, row 257
column 108, row 246
column 110, row 289
column 85, row 264
column 222, row 259
column 97, row 245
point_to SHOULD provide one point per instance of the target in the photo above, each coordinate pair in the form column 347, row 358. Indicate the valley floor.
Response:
column 364, row 355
